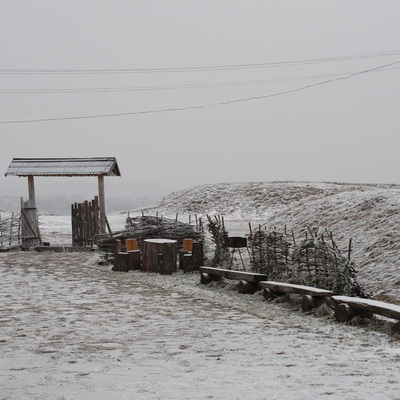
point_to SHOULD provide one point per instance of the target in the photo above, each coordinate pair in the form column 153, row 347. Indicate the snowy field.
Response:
column 70, row 329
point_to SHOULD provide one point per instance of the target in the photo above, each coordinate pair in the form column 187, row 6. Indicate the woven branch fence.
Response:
column 315, row 260
column 10, row 231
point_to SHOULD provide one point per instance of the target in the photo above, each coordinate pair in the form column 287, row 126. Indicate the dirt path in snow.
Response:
column 70, row 329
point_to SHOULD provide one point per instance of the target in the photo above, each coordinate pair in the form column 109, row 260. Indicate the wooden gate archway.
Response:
column 99, row 167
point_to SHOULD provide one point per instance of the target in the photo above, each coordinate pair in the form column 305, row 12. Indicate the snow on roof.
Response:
column 63, row 167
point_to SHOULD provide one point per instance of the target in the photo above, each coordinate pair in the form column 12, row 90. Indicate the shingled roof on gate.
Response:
column 63, row 167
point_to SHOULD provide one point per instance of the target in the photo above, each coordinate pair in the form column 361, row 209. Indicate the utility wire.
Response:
column 175, row 87
column 199, row 68
column 201, row 106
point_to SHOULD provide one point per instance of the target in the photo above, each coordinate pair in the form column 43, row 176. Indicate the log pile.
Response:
column 151, row 227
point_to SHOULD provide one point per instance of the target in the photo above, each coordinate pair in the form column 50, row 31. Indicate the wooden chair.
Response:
column 135, row 255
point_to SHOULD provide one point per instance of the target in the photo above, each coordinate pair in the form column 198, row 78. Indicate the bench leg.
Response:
column 345, row 313
column 268, row 294
column 205, row 279
column 247, row 287
column 309, row 302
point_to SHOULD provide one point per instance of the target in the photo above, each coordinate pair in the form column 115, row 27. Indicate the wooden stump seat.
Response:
column 159, row 255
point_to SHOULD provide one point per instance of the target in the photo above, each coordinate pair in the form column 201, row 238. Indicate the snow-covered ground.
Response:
column 70, row 329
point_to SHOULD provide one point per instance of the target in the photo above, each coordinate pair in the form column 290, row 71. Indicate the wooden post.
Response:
column 134, row 259
column 31, row 191
column 309, row 302
column 205, row 278
column 102, row 204
column 187, row 262
column 197, row 254
column 248, row 287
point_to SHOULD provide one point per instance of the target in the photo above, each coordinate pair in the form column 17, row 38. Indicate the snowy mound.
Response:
column 253, row 198
column 368, row 214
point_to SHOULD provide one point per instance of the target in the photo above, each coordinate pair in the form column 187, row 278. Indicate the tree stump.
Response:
column 135, row 259
column 159, row 255
column 187, row 263
column 198, row 255
column 121, row 262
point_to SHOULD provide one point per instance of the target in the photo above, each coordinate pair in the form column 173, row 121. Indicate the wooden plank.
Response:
column 288, row 288
column 235, row 275
column 371, row 306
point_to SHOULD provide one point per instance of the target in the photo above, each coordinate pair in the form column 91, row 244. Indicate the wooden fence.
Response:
column 85, row 218
column 9, row 231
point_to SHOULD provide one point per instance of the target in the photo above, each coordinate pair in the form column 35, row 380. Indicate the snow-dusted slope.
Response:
column 367, row 213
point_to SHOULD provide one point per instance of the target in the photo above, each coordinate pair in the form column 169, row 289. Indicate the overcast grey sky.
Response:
column 346, row 130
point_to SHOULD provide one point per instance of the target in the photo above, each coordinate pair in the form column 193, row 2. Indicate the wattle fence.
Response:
column 10, row 237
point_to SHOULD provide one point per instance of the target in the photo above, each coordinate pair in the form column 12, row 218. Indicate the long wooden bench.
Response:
column 348, row 307
column 248, row 281
column 312, row 296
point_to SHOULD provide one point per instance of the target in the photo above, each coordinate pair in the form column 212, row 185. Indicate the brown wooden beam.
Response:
column 102, row 204
column 31, row 191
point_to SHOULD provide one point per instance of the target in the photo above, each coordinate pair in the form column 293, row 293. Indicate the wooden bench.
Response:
column 348, row 307
column 312, row 296
column 248, row 281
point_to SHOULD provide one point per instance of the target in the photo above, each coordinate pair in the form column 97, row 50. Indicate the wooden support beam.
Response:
column 102, row 204
column 31, row 191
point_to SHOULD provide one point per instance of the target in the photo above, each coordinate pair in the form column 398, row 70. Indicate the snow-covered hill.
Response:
column 367, row 213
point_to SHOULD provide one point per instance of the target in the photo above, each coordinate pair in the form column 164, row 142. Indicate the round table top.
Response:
column 160, row 241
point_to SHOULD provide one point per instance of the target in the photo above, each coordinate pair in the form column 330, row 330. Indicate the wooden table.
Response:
column 159, row 255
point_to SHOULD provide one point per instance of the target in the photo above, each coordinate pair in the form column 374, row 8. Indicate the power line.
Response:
column 175, row 87
column 201, row 106
column 199, row 68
